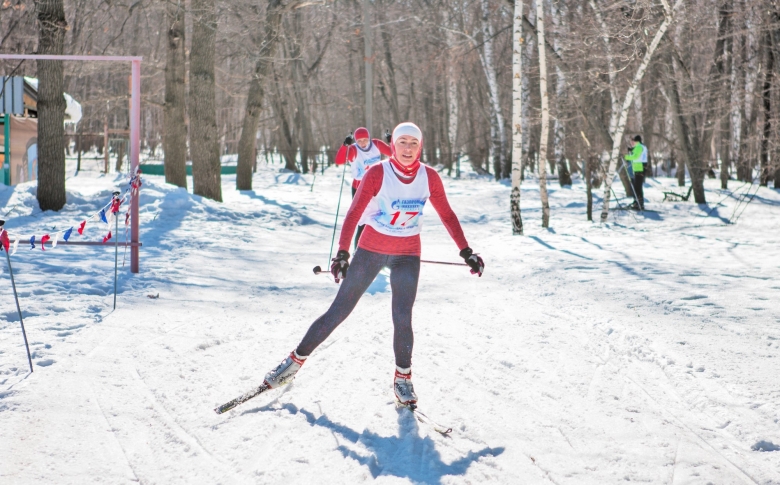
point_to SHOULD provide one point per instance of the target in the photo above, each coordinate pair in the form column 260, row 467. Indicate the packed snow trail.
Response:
column 642, row 350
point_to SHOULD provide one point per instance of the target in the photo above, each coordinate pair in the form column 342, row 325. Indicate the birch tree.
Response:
column 517, row 105
column 545, row 114
column 452, row 106
column 617, row 138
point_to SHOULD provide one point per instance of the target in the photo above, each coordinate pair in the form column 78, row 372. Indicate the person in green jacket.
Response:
column 637, row 156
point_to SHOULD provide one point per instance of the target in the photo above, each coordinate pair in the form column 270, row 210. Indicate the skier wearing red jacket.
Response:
column 390, row 201
column 361, row 152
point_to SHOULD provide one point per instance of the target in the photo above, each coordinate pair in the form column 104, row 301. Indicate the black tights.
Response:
column 404, row 274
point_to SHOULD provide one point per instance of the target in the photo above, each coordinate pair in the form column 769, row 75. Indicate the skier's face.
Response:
column 406, row 149
column 363, row 142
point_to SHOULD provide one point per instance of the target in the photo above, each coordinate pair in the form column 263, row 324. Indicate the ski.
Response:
column 444, row 430
column 241, row 399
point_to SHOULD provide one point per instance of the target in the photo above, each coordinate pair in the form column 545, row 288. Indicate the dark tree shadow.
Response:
column 548, row 246
column 407, row 455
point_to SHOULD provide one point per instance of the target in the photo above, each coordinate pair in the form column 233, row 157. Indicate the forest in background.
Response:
column 707, row 103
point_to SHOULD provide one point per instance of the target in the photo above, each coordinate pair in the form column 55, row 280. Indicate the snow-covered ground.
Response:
column 646, row 349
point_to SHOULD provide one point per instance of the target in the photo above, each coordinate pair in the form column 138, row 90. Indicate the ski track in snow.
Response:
column 642, row 350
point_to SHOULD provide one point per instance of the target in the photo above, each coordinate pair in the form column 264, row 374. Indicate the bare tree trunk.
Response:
column 687, row 134
column 120, row 156
column 526, row 96
column 204, row 142
column 680, row 164
column 517, row 110
column 735, row 105
column 726, row 10
column 775, row 33
column 393, row 97
column 175, row 129
column 767, row 104
column 589, row 162
column 51, row 106
column 497, row 130
column 545, row 114
column 617, row 138
column 254, row 100
column 559, row 133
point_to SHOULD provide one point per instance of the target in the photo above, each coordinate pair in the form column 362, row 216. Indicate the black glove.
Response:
column 473, row 260
column 349, row 140
column 340, row 265
column 388, row 136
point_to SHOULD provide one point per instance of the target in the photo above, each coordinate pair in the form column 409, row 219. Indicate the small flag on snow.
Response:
column 45, row 238
column 81, row 228
column 55, row 240
column 32, row 242
column 108, row 236
column 16, row 245
column 66, row 236
column 103, row 216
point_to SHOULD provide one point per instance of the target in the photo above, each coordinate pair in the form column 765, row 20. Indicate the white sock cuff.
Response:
column 402, row 370
column 301, row 357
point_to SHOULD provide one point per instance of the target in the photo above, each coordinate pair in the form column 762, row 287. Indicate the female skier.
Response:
column 390, row 202
column 362, row 152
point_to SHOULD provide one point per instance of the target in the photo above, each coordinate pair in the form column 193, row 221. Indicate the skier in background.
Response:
column 637, row 155
column 361, row 152
column 390, row 201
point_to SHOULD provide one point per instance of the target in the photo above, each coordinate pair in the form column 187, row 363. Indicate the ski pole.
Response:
column 16, row 298
column 338, row 207
column 318, row 270
column 442, row 262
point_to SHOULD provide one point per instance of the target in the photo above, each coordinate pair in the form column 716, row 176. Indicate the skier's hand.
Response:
column 349, row 140
column 473, row 260
column 388, row 136
column 340, row 265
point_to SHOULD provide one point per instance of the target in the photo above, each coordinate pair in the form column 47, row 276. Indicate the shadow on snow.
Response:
column 407, row 455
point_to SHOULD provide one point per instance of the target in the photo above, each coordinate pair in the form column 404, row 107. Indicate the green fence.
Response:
column 159, row 169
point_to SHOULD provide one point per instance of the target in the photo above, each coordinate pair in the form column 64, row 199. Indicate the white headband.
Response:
column 407, row 128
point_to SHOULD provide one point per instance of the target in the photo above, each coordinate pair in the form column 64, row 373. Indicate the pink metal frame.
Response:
column 135, row 125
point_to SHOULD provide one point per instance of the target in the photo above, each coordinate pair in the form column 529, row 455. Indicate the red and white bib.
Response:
column 397, row 210
column 364, row 159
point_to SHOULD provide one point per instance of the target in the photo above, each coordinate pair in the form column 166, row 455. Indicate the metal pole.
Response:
column 7, row 149
column 78, row 150
column 116, row 251
column 105, row 142
column 135, row 148
column 369, row 60
column 18, row 309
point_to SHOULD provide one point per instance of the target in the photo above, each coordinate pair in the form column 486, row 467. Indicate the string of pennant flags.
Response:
column 107, row 215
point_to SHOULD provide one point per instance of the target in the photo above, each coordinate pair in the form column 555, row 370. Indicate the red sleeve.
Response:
column 368, row 188
column 341, row 155
column 345, row 154
column 442, row 206
column 384, row 148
